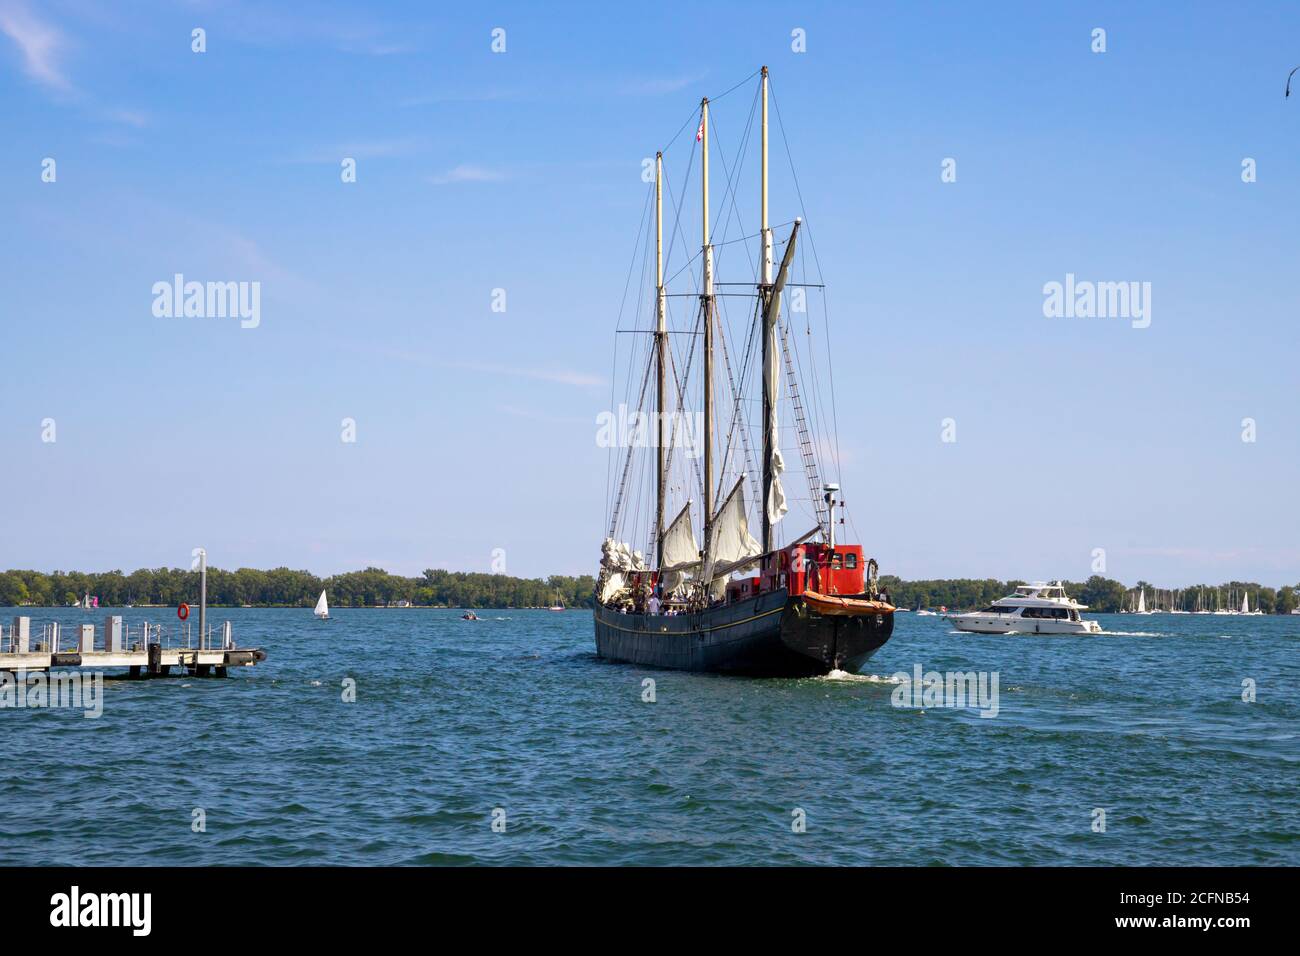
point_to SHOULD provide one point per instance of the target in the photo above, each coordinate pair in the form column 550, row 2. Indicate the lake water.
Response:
column 454, row 720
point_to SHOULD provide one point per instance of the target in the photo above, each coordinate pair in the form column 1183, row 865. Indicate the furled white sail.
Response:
column 619, row 556
column 613, row 584
column 322, row 606
column 776, row 505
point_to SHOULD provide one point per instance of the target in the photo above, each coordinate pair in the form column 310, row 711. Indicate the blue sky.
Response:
column 521, row 171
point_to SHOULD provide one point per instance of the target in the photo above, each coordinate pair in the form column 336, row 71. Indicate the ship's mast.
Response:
column 765, row 292
column 706, row 304
column 661, row 338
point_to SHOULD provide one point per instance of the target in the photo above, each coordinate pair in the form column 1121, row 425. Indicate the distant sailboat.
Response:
column 1142, row 602
column 559, row 603
column 322, row 608
column 1218, row 608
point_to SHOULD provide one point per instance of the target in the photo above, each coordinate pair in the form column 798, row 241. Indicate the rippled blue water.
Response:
column 454, row 719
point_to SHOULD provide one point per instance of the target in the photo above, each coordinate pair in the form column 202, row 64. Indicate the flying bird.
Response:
column 1288, row 80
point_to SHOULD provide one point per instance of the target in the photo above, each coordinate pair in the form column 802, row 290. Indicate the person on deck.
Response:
column 653, row 604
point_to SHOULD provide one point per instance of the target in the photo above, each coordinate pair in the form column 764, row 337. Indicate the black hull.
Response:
column 771, row 635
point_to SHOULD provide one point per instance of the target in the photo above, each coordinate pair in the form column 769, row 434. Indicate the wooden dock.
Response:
column 150, row 655
column 154, row 652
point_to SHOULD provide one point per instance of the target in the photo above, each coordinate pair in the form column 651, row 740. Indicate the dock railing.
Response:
column 134, row 637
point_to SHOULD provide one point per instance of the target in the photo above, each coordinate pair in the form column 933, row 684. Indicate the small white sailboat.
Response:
column 1142, row 602
column 322, row 608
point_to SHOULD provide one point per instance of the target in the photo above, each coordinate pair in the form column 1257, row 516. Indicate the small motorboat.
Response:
column 469, row 616
column 1037, row 608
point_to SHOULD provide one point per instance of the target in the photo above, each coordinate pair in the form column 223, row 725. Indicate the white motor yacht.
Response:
column 1038, row 608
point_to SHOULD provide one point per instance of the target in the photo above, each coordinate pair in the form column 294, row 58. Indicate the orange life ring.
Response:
column 183, row 611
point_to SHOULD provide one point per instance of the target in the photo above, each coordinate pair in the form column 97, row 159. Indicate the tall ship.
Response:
column 711, row 373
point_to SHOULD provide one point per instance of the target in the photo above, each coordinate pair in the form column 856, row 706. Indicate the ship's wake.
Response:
column 850, row 677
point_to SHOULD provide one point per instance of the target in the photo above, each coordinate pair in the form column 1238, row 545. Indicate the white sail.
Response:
column 729, row 539
column 680, row 548
column 681, row 552
column 322, row 606
column 1142, row 601
column 1245, row 603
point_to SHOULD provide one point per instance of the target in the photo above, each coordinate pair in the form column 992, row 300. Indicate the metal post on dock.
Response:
column 20, row 634
column 114, row 637
column 203, row 594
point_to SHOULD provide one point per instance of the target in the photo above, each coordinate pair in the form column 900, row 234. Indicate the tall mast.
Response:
column 706, row 303
column 763, row 227
column 765, row 292
column 661, row 339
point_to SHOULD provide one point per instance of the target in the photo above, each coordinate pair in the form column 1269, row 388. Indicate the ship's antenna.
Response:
column 661, row 340
column 706, row 304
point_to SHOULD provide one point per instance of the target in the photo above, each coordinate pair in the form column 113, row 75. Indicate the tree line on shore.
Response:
column 283, row 587
column 374, row 587
column 1102, row 595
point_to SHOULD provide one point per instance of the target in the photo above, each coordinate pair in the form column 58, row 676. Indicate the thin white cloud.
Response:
column 349, row 32
column 533, row 415
column 659, row 86
column 365, row 149
column 484, row 95
column 127, row 117
column 467, row 173
column 40, row 43
column 558, row 376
